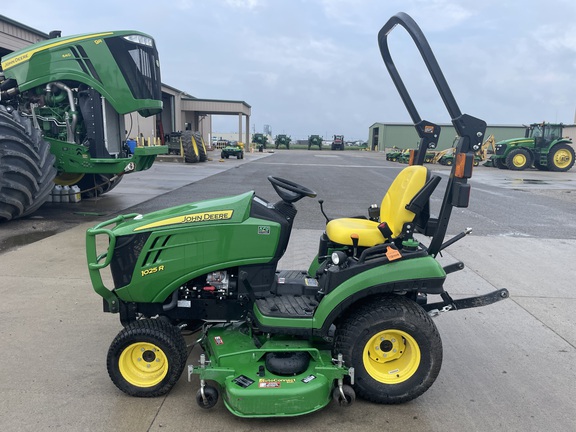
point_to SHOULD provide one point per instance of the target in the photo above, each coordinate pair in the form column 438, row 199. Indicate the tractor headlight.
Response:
column 338, row 257
column 140, row 39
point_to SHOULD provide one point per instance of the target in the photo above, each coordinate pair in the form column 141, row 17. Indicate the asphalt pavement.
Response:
column 510, row 366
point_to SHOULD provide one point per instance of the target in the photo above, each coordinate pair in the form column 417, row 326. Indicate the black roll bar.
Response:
column 471, row 130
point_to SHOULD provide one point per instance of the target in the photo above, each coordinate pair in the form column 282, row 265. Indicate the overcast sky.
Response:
column 313, row 67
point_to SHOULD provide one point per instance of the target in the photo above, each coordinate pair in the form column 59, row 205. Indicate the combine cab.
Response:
column 62, row 108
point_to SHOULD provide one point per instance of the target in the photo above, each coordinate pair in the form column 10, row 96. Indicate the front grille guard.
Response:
column 97, row 262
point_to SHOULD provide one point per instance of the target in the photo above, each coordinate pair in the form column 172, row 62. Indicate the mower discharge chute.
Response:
column 287, row 342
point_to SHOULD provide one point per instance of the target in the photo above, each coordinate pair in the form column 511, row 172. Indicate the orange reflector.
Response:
column 412, row 156
column 463, row 169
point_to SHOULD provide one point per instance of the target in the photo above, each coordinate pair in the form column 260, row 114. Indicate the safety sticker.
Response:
column 308, row 379
column 218, row 340
column 263, row 230
column 269, row 384
column 243, row 381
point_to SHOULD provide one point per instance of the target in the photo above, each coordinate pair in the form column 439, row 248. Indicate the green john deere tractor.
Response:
column 62, row 107
column 283, row 140
column 315, row 140
column 260, row 140
column 543, row 146
column 287, row 342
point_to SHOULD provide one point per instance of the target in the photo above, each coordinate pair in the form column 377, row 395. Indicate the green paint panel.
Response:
column 412, row 269
column 249, row 390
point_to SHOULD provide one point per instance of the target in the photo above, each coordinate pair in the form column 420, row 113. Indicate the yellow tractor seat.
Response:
column 393, row 211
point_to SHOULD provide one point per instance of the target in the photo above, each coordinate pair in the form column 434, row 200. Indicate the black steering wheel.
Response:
column 289, row 191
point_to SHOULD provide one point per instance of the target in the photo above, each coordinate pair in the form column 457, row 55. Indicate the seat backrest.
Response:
column 404, row 187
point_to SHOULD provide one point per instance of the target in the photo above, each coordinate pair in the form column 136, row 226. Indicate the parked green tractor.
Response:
column 315, row 140
column 543, row 146
column 287, row 342
column 283, row 140
column 260, row 140
column 62, row 107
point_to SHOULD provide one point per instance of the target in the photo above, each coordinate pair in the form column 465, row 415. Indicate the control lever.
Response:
column 355, row 239
column 321, row 201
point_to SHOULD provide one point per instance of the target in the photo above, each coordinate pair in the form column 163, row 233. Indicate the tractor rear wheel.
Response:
column 519, row 159
column 27, row 165
column 202, row 154
column 394, row 348
column 191, row 153
column 147, row 358
column 560, row 157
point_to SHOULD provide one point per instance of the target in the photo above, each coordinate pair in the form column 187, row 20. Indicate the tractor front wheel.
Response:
column 519, row 160
column 147, row 358
column 394, row 347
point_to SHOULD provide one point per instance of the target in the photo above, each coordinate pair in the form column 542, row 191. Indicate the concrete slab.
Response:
column 507, row 367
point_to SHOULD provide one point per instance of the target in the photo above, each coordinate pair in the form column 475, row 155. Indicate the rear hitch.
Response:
column 449, row 304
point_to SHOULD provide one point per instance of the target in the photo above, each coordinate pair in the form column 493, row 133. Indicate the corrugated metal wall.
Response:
column 404, row 136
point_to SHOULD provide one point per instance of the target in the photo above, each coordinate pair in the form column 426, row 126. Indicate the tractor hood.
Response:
column 515, row 141
column 234, row 209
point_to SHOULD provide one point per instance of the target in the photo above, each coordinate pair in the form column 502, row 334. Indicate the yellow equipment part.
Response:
column 392, row 211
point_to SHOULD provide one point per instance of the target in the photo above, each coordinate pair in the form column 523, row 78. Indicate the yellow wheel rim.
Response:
column 391, row 356
column 519, row 160
column 143, row 364
column 68, row 179
column 562, row 158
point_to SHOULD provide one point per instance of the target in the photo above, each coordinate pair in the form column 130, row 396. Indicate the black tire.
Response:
column 27, row 165
column 561, row 158
column 500, row 163
column 94, row 185
column 287, row 363
column 349, row 396
column 191, row 153
column 209, row 399
column 396, row 327
column 519, row 160
column 202, row 154
column 147, row 358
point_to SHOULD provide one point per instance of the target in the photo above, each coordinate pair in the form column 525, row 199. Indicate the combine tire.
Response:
column 561, row 157
column 202, row 154
column 519, row 160
column 94, row 185
column 27, row 166
column 147, row 358
column 191, row 153
column 394, row 347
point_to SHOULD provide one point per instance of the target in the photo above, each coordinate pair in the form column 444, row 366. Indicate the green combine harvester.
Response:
column 62, row 108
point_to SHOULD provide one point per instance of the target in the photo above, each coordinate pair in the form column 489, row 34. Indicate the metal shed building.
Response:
column 383, row 136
